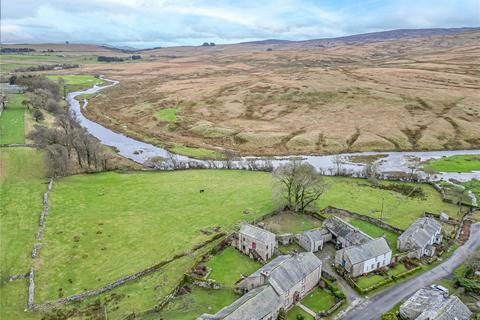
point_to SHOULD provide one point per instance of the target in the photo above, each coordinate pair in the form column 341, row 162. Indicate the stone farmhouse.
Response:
column 279, row 284
column 431, row 303
column 312, row 240
column 421, row 237
column 256, row 242
column 344, row 234
column 364, row 258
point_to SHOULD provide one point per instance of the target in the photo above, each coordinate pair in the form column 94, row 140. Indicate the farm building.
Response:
column 312, row 240
column 364, row 258
column 256, row 242
column 431, row 303
column 344, row 234
column 421, row 237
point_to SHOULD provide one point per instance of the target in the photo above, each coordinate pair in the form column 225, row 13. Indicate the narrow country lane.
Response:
column 373, row 308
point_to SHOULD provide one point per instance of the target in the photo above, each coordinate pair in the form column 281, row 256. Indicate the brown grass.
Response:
column 395, row 95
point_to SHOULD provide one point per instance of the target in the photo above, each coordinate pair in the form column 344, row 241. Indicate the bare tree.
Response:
column 338, row 162
column 301, row 184
column 57, row 160
column 372, row 173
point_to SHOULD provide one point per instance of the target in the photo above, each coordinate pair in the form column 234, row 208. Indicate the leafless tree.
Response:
column 57, row 160
column 372, row 173
column 338, row 162
column 301, row 184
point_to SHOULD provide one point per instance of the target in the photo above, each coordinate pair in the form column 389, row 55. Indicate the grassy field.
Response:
column 460, row 163
column 473, row 185
column 319, row 300
column 376, row 232
column 358, row 195
column 198, row 153
column 199, row 301
column 228, row 266
column 21, row 187
column 77, row 82
column 12, row 120
column 291, row 223
column 98, row 222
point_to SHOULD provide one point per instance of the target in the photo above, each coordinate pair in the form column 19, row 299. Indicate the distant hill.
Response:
column 369, row 37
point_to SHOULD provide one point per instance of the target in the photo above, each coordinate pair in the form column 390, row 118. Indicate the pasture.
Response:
column 99, row 222
column 77, row 82
column 22, row 184
column 12, row 120
column 458, row 163
column 399, row 210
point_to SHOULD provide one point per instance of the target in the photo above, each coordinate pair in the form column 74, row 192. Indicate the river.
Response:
column 390, row 164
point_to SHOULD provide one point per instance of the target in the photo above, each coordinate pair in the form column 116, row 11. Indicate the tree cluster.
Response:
column 42, row 94
column 45, row 67
column 69, row 147
column 16, row 50
column 301, row 185
column 117, row 59
column 206, row 44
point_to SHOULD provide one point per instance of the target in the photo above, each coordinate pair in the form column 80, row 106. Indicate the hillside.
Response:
column 419, row 93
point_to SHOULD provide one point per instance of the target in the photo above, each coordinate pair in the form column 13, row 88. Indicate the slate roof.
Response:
column 433, row 304
column 284, row 272
column 254, row 305
column 257, row 233
column 315, row 234
column 366, row 251
column 421, row 231
column 345, row 230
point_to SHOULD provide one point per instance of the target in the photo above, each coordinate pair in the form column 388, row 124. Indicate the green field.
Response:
column 168, row 114
column 199, row 153
column 473, row 185
column 22, row 185
column 97, row 221
column 460, row 163
column 376, row 232
column 358, row 195
column 291, row 223
column 12, row 120
column 77, row 82
column 319, row 300
column 228, row 266
column 199, row 301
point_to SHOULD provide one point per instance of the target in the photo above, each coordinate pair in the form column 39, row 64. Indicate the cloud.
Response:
column 169, row 22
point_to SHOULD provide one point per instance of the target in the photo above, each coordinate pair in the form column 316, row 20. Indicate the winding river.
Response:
column 388, row 164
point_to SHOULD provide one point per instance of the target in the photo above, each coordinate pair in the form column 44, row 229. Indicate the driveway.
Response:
column 373, row 308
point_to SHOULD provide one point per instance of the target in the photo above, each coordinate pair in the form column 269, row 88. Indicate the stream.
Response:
column 389, row 164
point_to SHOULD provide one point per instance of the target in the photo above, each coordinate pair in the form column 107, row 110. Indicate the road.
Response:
column 374, row 307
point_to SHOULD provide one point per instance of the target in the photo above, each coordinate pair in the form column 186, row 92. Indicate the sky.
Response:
column 151, row 23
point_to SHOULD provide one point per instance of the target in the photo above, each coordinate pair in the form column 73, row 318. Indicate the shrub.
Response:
column 389, row 316
column 300, row 317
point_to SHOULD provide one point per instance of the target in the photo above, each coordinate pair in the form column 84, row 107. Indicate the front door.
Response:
column 254, row 245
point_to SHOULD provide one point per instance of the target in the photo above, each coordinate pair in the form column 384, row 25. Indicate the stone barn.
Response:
column 421, row 237
column 256, row 242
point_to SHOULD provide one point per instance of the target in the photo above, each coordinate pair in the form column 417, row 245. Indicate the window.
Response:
column 254, row 245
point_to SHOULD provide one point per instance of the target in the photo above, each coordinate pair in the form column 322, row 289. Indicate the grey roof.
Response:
column 284, row 272
column 315, row 234
column 345, row 230
column 432, row 304
column 366, row 251
column 254, row 305
column 257, row 233
column 421, row 232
